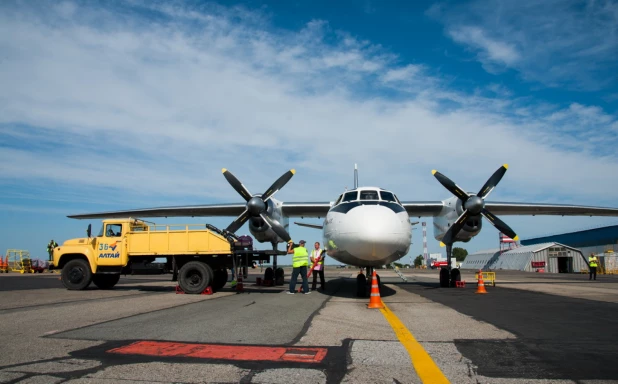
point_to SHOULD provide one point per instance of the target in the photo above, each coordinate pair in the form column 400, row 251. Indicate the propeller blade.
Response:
column 499, row 224
column 451, row 186
column 450, row 235
column 237, row 185
column 240, row 220
column 278, row 228
column 277, row 185
column 492, row 182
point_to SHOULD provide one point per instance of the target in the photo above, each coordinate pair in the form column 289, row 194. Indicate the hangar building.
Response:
column 548, row 257
column 574, row 247
column 594, row 240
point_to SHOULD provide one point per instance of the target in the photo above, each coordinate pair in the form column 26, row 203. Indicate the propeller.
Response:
column 474, row 205
column 256, row 204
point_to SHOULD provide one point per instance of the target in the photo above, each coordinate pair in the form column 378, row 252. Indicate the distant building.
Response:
column 549, row 257
column 593, row 240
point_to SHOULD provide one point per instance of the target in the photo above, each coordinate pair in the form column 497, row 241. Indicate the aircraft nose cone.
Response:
column 376, row 233
column 256, row 206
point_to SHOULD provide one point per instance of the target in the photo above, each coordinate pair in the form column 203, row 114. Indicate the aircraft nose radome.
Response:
column 373, row 222
column 375, row 232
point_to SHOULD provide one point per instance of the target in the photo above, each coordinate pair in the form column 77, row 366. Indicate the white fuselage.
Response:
column 367, row 232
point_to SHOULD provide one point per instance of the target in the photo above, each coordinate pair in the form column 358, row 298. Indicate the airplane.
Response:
column 367, row 227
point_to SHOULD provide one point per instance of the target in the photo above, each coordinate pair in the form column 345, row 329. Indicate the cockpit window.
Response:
column 338, row 200
column 369, row 195
column 396, row 199
column 350, row 196
column 387, row 196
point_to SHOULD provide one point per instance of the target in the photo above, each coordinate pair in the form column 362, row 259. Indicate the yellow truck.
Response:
column 200, row 253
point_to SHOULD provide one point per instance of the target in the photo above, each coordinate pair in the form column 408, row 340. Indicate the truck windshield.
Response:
column 101, row 231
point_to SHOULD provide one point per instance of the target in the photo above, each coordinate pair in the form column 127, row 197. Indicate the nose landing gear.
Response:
column 363, row 283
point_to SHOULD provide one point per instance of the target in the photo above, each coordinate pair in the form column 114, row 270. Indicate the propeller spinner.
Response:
column 474, row 205
column 256, row 204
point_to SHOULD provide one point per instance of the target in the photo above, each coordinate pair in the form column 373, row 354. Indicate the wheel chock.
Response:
column 207, row 291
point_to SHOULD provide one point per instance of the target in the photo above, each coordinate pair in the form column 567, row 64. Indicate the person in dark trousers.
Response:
column 317, row 258
column 300, row 262
column 50, row 248
column 592, row 264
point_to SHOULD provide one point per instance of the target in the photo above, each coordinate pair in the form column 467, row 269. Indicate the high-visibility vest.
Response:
column 592, row 260
column 316, row 254
column 300, row 257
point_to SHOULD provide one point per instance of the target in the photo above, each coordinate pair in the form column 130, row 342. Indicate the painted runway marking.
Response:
column 223, row 352
column 425, row 367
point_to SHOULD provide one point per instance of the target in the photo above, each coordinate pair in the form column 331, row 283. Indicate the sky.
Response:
column 122, row 105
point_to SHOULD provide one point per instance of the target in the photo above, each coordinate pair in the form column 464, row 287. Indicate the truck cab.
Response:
column 98, row 259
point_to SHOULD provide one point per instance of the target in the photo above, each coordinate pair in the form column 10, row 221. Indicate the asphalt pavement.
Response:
column 142, row 331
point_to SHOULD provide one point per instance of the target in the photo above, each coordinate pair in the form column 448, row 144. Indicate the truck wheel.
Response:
column 105, row 281
column 195, row 276
column 220, row 278
column 76, row 275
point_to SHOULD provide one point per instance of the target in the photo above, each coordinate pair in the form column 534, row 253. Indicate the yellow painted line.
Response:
column 425, row 367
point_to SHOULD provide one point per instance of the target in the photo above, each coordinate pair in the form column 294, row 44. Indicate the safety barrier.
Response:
column 487, row 276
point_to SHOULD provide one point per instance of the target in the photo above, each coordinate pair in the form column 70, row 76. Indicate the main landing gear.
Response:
column 449, row 276
column 363, row 283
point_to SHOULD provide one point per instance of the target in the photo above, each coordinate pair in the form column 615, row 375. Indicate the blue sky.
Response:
column 120, row 105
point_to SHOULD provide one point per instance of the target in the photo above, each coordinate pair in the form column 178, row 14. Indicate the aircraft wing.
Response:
column 433, row 208
column 499, row 208
column 423, row 208
column 187, row 210
column 221, row 210
column 305, row 209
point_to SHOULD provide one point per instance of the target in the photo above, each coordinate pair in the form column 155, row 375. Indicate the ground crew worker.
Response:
column 300, row 262
column 592, row 263
column 50, row 248
column 317, row 258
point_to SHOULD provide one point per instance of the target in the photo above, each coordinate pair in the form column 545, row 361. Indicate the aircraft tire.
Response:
column 444, row 278
column 105, row 281
column 76, row 275
column 455, row 276
column 361, row 285
column 194, row 277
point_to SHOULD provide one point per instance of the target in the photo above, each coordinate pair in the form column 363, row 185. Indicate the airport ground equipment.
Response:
column 201, row 254
column 18, row 260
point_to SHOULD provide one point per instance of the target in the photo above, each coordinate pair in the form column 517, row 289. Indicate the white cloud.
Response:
column 150, row 109
column 491, row 50
column 555, row 42
column 404, row 74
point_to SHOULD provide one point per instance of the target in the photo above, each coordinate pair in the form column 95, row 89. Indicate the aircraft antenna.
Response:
column 355, row 176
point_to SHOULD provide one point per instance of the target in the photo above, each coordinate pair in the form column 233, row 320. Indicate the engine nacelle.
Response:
column 453, row 208
column 261, row 231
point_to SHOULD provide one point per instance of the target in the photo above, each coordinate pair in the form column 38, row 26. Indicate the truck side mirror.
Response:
column 89, row 230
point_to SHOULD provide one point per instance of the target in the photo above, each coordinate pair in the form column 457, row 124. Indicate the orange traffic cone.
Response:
column 481, row 284
column 374, row 299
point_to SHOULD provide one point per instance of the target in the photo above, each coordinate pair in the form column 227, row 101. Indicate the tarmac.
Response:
column 529, row 328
